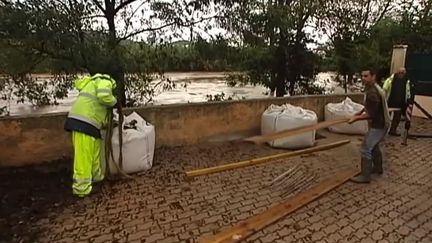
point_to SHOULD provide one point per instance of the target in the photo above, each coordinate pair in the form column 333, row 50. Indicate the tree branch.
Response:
column 427, row 10
column 330, row 36
column 93, row 16
column 122, row 5
column 162, row 27
column 128, row 20
column 6, row 2
column 99, row 6
column 66, row 8
column 366, row 17
column 55, row 55
column 383, row 13
column 137, row 9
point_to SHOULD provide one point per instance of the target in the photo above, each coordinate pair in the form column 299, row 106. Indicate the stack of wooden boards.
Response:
column 256, row 223
column 260, row 221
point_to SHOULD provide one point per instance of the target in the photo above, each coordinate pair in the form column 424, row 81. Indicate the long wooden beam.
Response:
column 256, row 223
column 300, row 130
column 295, row 131
column 230, row 166
column 420, row 135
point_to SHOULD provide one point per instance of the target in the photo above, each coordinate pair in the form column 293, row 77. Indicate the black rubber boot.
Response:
column 377, row 161
column 365, row 175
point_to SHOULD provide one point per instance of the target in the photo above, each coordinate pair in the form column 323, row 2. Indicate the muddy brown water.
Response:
column 191, row 87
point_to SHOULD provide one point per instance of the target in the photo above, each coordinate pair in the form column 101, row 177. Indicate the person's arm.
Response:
column 364, row 116
column 104, row 93
column 387, row 84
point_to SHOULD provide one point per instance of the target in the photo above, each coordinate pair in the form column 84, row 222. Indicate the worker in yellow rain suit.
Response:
column 85, row 120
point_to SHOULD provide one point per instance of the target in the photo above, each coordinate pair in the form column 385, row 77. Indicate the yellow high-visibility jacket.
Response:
column 94, row 100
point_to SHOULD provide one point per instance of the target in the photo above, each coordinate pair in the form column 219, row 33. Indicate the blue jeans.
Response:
column 371, row 142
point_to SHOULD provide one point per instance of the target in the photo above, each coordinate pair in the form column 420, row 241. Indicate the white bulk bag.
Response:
column 138, row 146
column 279, row 118
column 345, row 109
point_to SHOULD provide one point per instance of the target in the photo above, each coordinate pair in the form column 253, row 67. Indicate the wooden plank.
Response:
column 295, row 131
column 256, row 223
column 425, row 102
column 429, row 116
column 261, row 160
column 300, row 130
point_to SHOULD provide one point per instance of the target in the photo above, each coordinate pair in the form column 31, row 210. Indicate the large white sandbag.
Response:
column 345, row 109
column 138, row 146
column 268, row 118
column 278, row 118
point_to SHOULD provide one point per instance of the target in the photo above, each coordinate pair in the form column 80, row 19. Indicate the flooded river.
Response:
column 198, row 86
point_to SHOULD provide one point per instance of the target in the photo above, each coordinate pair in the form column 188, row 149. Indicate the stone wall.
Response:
column 37, row 139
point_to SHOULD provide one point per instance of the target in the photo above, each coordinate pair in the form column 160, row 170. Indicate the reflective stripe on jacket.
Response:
column 94, row 99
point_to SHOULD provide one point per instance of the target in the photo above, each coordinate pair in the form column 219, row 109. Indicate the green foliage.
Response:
column 6, row 93
column 415, row 25
column 200, row 55
column 255, row 68
column 269, row 44
column 40, row 93
column 25, row 88
column 274, row 37
column 84, row 36
column 362, row 35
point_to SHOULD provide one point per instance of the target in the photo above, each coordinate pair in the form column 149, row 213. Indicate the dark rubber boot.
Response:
column 365, row 175
column 377, row 159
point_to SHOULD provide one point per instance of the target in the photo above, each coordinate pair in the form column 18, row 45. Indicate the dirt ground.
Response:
column 28, row 194
column 37, row 206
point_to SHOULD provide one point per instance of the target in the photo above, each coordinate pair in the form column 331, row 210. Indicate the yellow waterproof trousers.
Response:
column 87, row 163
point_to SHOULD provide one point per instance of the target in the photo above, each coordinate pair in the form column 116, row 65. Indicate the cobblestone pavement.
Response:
column 164, row 206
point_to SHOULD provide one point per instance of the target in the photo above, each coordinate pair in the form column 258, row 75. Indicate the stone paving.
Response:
column 164, row 206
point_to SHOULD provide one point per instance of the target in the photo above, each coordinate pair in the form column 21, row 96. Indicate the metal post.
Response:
column 408, row 114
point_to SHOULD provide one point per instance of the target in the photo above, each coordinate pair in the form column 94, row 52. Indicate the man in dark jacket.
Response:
column 398, row 93
column 376, row 112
